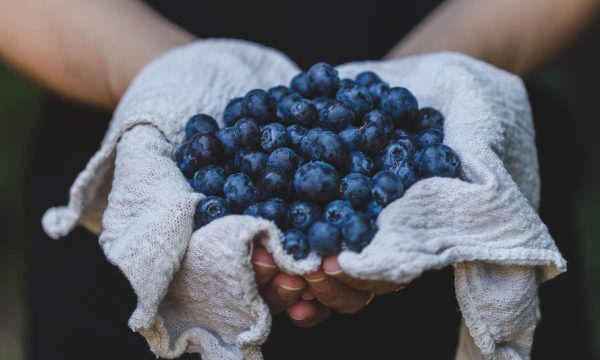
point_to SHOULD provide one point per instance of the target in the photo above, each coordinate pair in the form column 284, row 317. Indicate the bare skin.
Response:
column 66, row 46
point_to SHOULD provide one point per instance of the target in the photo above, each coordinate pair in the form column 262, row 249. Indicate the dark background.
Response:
column 570, row 86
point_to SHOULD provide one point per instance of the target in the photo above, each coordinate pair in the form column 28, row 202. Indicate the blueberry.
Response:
column 205, row 149
column 209, row 180
column 430, row 137
column 347, row 83
column 304, row 113
column 366, row 78
column 296, row 133
column 302, row 214
column 416, row 158
column 187, row 165
column 275, row 210
column 338, row 115
column 361, row 163
column 393, row 154
column 258, row 104
column 229, row 138
column 401, row 105
column 252, row 163
column 181, row 152
column 401, row 134
column 358, row 231
column 274, row 136
column 358, row 97
column 209, row 209
column 377, row 90
column 322, row 102
column 337, row 212
column 252, row 210
column 324, row 238
column 407, row 172
column 284, row 105
column 249, row 132
column 328, row 147
column 373, row 209
column 274, row 183
column 300, row 85
column 316, row 181
column 322, row 80
column 200, row 124
column 429, row 117
column 439, row 160
column 239, row 191
column 372, row 138
column 377, row 117
column 386, row 187
column 306, row 144
column 284, row 159
column 296, row 244
column 237, row 159
column 406, row 142
column 350, row 138
column 277, row 92
column 356, row 189
column 233, row 111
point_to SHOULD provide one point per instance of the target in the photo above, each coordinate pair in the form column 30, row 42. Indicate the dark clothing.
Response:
column 78, row 304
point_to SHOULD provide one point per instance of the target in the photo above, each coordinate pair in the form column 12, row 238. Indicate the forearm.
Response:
column 515, row 35
column 88, row 50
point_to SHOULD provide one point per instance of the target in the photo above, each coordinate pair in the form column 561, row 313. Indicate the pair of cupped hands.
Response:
column 309, row 300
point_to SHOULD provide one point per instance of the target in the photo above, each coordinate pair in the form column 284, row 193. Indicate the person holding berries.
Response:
column 90, row 51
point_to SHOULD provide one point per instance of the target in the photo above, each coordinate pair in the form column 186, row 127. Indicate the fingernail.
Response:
column 333, row 273
column 331, row 266
column 264, row 265
column 298, row 319
column 289, row 288
column 317, row 280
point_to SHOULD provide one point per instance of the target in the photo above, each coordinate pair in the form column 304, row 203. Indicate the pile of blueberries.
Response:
column 320, row 158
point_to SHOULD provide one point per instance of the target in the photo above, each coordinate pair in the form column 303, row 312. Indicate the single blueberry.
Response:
column 366, row 78
column 416, row 158
column 401, row 105
column 258, row 104
column 239, row 191
column 252, row 210
column 302, row 214
column 328, row 147
column 249, row 132
column 373, row 209
column 439, row 160
column 336, row 116
column 324, row 238
column 322, row 80
column 274, row 136
column 356, row 189
column 275, row 210
column 372, row 138
column 200, row 124
column 347, row 83
column 358, row 97
column 358, row 231
column 316, row 181
column 229, row 138
column 233, row 111
column 209, row 209
column 237, row 160
column 322, row 102
column 277, row 92
column 430, row 137
column 377, row 90
column 274, row 183
column 406, row 142
column 307, row 141
column 187, row 165
column 296, row 133
column 407, row 172
column 361, row 163
column 303, row 112
column 205, row 149
column 284, row 105
column 386, row 187
column 378, row 117
column 252, row 163
column 337, row 212
column 209, row 180
column 300, row 85
column 284, row 159
column 296, row 244
column 350, row 138
column 393, row 154
column 429, row 117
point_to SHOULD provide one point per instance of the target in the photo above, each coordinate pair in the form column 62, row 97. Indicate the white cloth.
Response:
column 205, row 300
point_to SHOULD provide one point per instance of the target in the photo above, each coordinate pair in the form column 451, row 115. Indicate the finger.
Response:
column 332, row 268
column 283, row 291
column 264, row 266
column 308, row 294
column 308, row 313
column 335, row 294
